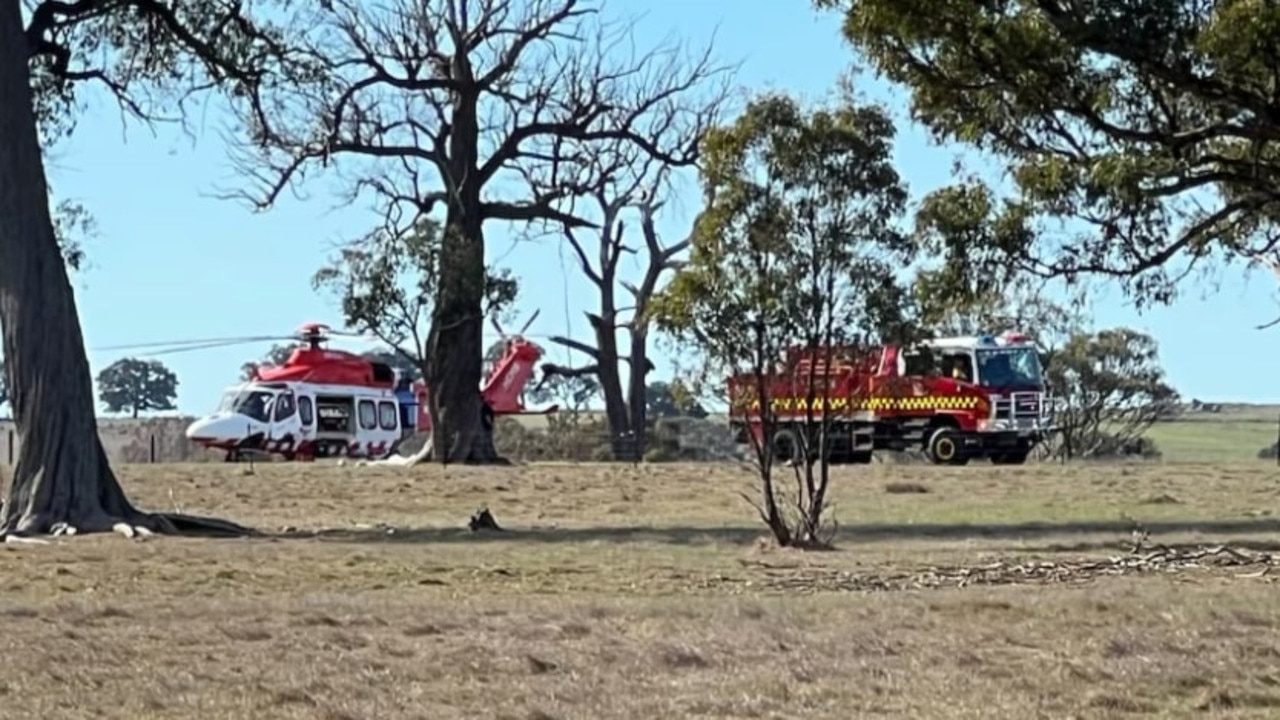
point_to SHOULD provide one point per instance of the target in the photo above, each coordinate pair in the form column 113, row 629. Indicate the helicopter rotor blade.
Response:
column 205, row 341
column 206, row 346
column 365, row 336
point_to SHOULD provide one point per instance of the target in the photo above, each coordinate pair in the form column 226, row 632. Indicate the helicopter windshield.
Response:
column 228, row 402
column 255, row 404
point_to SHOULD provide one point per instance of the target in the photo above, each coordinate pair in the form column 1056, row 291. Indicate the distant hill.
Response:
column 1197, row 409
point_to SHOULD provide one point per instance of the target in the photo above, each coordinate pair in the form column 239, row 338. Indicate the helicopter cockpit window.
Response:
column 255, row 404
column 285, row 407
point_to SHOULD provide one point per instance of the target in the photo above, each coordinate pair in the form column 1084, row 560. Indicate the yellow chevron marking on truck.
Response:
column 927, row 402
column 802, row 404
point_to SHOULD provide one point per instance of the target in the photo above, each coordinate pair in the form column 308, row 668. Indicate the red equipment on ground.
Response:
column 956, row 398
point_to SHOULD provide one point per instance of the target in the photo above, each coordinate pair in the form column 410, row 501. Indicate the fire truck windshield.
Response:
column 1002, row 367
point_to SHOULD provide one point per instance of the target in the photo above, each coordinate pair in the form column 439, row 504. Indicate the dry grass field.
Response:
column 644, row 592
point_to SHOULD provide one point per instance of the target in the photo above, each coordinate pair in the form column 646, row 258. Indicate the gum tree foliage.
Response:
column 1148, row 124
column 1020, row 306
column 148, row 54
column 277, row 355
column 796, row 246
column 573, row 393
column 396, row 360
column 387, row 283
column 478, row 107
column 1112, row 390
column 672, row 399
column 72, row 224
column 137, row 386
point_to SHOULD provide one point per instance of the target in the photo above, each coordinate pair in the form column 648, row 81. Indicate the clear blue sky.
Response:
column 171, row 262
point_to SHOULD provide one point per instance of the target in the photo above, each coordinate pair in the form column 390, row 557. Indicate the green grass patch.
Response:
column 1202, row 440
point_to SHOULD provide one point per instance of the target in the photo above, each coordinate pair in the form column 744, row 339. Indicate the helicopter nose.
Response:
column 197, row 429
column 223, row 427
column 203, row 429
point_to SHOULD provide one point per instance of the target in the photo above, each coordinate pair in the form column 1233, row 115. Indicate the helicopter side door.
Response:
column 378, row 423
column 286, row 421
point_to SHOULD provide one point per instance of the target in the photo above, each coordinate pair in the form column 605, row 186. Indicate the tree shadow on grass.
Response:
column 1257, row 545
column 862, row 533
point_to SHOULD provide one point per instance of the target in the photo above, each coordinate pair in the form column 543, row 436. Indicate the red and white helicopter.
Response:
column 328, row 403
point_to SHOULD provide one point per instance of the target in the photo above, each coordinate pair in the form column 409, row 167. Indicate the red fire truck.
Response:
column 957, row 398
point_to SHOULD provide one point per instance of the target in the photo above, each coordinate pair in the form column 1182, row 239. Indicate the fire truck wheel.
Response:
column 784, row 445
column 944, row 448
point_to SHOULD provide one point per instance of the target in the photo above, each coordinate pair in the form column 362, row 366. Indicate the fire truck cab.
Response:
column 955, row 398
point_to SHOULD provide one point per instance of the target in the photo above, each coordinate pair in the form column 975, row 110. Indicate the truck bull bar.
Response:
column 1029, row 411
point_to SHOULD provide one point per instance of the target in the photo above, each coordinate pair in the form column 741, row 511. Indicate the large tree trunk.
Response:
column 462, row 429
column 637, row 390
column 455, row 353
column 622, row 437
column 62, row 478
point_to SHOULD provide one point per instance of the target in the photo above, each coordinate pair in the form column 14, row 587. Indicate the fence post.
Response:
column 1278, row 441
column 10, row 447
column 152, row 439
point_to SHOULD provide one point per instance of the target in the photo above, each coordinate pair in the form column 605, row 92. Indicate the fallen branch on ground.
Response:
column 1161, row 560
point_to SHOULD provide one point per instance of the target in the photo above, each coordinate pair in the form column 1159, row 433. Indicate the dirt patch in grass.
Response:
column 642, row 592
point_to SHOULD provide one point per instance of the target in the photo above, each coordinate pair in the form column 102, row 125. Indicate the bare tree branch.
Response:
column 540, row 84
